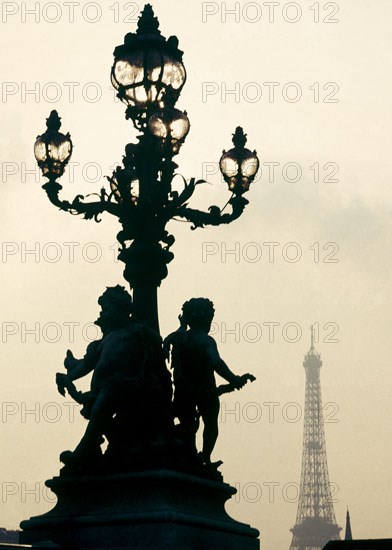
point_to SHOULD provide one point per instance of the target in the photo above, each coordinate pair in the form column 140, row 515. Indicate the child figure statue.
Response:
column 129, row 401
column 195, row 360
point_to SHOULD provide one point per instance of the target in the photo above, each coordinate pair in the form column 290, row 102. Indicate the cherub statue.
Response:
column 129, row 400
column 195, row 360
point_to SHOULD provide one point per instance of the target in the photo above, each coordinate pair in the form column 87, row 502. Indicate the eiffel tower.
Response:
column 315, row 524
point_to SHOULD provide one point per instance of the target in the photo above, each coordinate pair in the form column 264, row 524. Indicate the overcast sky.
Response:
column 322, row 132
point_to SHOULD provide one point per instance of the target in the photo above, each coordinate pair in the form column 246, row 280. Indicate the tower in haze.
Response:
column 315, row 524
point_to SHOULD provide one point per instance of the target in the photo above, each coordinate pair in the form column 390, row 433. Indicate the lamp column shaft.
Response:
column 145, row 267
column 145, row 302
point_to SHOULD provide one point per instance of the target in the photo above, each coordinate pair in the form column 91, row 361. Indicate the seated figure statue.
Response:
column 129, row 402
column 195, row 360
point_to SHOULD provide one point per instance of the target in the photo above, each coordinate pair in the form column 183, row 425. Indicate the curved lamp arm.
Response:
column 89, row 210
column 214, row 217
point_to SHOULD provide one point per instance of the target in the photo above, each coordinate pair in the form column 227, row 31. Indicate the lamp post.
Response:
column 149, row 487
column 148, row 74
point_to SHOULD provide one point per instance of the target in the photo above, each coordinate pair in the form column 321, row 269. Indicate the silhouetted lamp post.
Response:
column 148, row 74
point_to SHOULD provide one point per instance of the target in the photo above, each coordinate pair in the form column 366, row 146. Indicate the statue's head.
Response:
column 198, row 313
column 116, row 308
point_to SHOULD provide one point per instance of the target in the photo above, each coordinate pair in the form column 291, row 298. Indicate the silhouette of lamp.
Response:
column 124, row 188
column 239, row 166
column 170, row 126
column 52, row 149
column 147, row 69
column 148, row 74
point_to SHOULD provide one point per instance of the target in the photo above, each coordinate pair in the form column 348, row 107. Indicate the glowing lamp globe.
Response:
column 53, row 149
column 170, row 126
column 147, row 68
column 239, row 165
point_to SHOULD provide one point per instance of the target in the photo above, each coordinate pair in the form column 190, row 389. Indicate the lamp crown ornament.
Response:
column 239, row 138
column 53, row 122
column 148, row 23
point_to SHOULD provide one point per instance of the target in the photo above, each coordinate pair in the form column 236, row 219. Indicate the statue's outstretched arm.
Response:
column 220, row 366
column 235, row 382
column 223, row 370
column 77, row 368
column 80, row 370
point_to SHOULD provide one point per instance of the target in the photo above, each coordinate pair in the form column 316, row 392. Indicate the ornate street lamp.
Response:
column 171, row 127
column 147, row 69
column 52, row 149
column 239, row 166
column 124, row 189
column 149, row 75
column 138, row 487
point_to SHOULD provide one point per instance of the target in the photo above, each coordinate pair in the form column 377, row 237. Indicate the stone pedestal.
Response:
column 150, row 510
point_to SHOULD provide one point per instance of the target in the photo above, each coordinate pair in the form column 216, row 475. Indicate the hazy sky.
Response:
column 328, row 127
